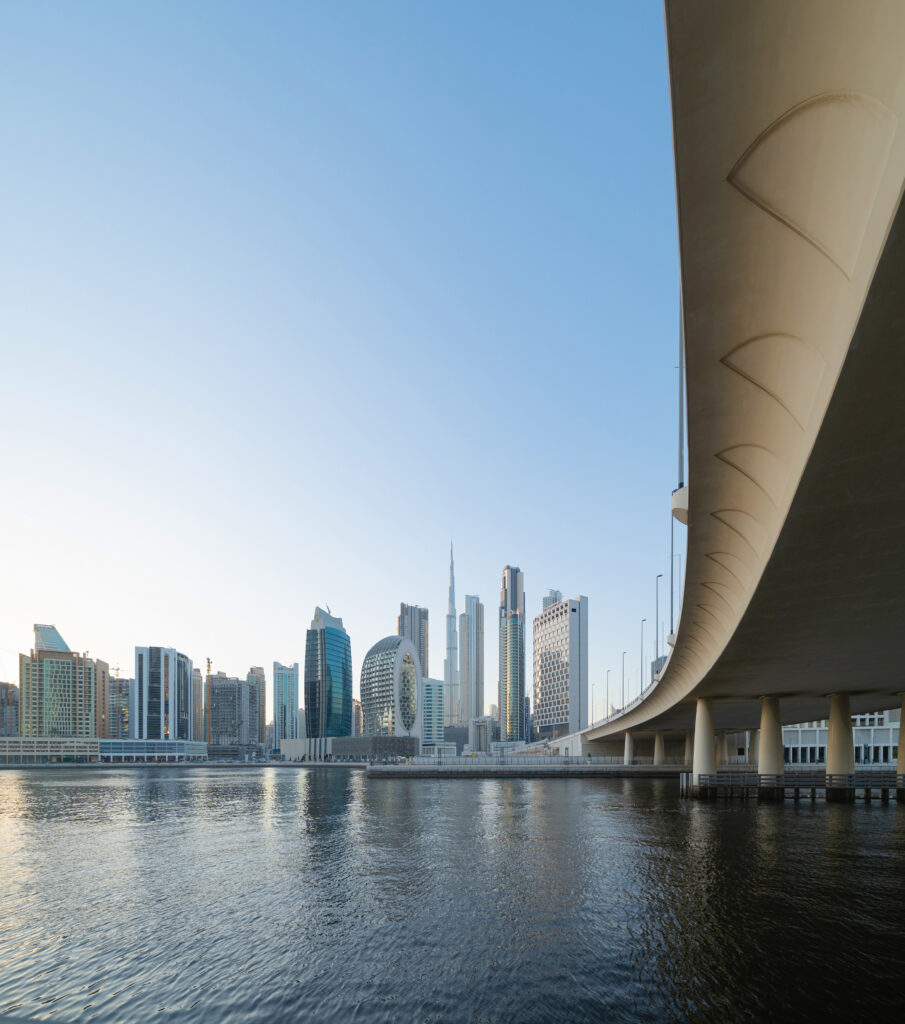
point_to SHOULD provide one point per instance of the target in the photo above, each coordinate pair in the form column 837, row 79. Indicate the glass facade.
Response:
column 512, row 655
column 512, row 679
column 285, row 702
column 162, row 707
column 328, row 677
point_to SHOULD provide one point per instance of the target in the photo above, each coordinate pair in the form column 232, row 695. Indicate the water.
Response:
column 180, row 894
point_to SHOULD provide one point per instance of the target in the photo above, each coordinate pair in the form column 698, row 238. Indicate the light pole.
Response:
column 657, row 619
column 606, row 709
column 593, row 686
column 623, row 680
column 641, row 683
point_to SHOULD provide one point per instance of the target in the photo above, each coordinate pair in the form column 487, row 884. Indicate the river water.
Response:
column 272, row 894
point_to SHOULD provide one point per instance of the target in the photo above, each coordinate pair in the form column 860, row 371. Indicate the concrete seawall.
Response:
column 522, row 771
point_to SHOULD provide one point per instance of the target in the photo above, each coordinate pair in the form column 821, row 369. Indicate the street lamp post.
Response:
column 623, row 680
column 641, row 682
column 657, row 619
column 593, row 687
column 606, row 710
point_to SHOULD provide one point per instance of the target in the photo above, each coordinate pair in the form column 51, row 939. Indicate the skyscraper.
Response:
column 413, row 623
column 162, row 701
column 61, row 693
column 561, row 666
column 357, row 718
column 121, row 691
column 285, row 702
column 512, row 655
column 432, row 712
column 233, row 717
column 453, row 700
column 391, row 689
column 471, row 657
column 328, row 677
column 198, row 730
column 257, row 678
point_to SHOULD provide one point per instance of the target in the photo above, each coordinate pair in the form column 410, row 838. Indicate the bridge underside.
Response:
column 829, row 613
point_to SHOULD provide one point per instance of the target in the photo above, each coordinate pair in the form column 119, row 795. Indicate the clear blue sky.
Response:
column 293, row 293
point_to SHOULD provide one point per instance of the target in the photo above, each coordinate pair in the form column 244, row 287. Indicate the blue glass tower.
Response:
column 328, row 677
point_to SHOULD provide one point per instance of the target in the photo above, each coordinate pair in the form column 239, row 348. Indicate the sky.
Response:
column 294, row 294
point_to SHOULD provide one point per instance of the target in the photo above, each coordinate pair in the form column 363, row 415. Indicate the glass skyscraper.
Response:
column 328, row 677
column 512, row 655
column 163, row 698
column 285, row 702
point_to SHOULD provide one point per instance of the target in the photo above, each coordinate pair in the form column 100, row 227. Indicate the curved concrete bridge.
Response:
column 789, row 126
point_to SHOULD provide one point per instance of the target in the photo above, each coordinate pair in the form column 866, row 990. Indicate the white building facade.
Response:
column 391, row 689
column 471, row 657
column 560, row 667
column 163, row 697
column 432, row 717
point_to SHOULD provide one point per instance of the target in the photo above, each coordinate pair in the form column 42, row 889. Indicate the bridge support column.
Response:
column 629, row 754
column 722, row 751
column 704, row 761
column 840, row 751
column 689, row 747
column 900, row 761
column 659, row 749
column 769, row 748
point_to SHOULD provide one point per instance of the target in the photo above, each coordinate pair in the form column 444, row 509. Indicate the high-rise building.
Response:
column 257, row 678
column 9, row 709
column 561, row 666
column 471, row 657
column 162, row 702
column 391, row 688
column 328, row 677
column 285, row 702
column 234, row 717
column 357, row 718
column 413, row 623
column 62, row 693
column 198, row 730
column 121, row 691
column 512, row 655
column 453, row 701
column 303, row 732
column 432, row 717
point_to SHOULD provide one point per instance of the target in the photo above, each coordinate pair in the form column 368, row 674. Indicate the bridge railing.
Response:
column 873, row 778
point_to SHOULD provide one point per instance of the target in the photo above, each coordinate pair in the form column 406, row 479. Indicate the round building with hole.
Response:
column 391, row 688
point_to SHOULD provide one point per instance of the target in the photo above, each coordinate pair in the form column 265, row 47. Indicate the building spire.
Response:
column 452, row 582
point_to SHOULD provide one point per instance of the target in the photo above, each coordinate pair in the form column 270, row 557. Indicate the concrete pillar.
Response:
column 629, row 754
column 722, row 751
column 704, row 762
column 689, row 747
column 900, row 761
column 753, row 744
column 659, row 749
column 769, row 747
column 840, row 747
